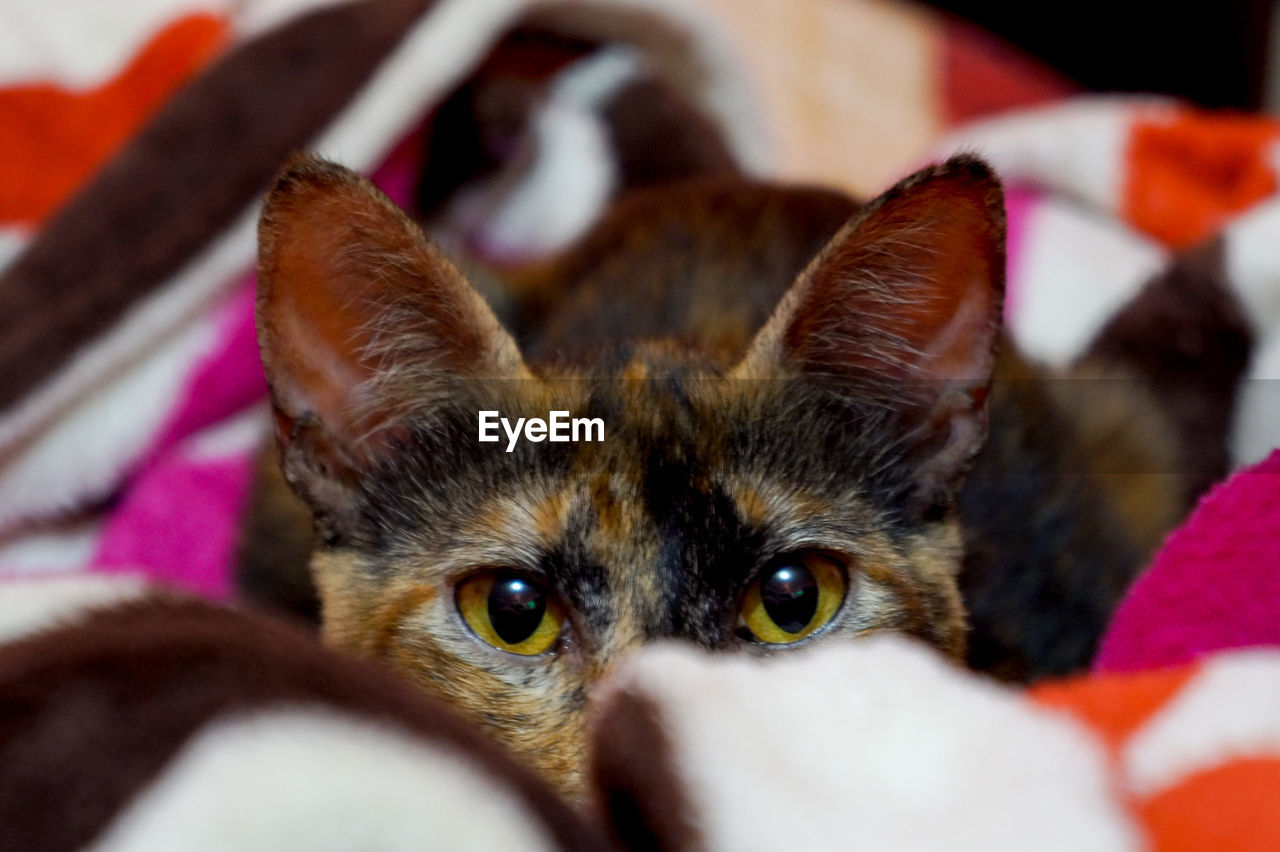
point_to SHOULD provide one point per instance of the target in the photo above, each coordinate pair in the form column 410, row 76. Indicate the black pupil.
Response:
column 790, row 597
column 516, row 608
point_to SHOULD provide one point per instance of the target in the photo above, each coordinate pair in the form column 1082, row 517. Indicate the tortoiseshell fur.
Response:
column 730, row 438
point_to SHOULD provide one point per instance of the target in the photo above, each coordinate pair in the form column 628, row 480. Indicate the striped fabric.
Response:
column 1108, row 194
column 884, row 745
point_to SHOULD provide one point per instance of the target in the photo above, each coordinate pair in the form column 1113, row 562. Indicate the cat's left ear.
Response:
column 902, row 310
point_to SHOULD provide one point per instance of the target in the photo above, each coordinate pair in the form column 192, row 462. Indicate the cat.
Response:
column 795, row 392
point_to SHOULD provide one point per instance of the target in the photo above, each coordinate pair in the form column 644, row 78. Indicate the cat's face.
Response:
column 799, row 495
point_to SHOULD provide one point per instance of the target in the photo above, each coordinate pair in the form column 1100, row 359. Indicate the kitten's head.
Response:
column 801, row 493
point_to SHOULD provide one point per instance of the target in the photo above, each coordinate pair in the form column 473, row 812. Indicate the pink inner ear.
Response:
column 347, row 288
column 316, row 316
column 914, row 289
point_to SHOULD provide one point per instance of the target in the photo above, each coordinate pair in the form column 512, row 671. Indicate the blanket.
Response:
column 139, row 139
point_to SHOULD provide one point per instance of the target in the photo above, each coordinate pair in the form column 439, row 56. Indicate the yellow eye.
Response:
column 510, row 612
column 793, row 597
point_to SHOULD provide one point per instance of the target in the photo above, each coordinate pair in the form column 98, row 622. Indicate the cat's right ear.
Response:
column 361, row 320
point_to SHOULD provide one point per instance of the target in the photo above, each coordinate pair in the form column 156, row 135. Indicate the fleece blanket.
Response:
column 1121, row 203
column 137, row 142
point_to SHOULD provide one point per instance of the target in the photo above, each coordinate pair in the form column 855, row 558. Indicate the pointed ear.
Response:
column 902, row 308
column 360, row 319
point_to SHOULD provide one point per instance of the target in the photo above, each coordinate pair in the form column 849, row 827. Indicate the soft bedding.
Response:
column 136, row 147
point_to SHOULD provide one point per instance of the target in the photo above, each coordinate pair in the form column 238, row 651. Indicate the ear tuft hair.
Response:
column 903, row 309
column 362, row 322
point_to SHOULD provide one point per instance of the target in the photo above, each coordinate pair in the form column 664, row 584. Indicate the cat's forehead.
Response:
column 659, row 446
column 678, row 463
column 660, row 427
